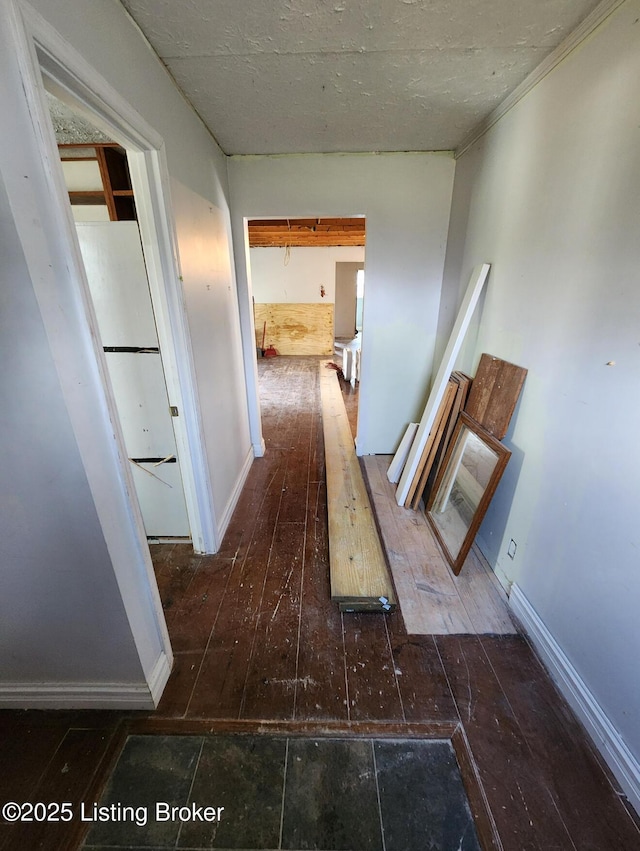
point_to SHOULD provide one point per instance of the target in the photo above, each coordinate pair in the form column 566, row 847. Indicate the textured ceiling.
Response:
column 69, row 126
column 293, row 76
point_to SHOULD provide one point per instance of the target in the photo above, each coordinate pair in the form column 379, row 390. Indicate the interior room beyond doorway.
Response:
column 307, row 288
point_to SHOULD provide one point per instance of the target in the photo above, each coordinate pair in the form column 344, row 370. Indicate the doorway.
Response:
column 114, row 265
column 303, row 289
column 349, row 299
column 180, row 485
column 103, row 204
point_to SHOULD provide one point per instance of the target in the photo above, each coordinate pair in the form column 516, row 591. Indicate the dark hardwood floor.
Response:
column 260, row 648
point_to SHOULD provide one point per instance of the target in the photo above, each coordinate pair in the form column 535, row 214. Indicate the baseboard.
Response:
column 76, row 696
column 259, row 449
column 89, row 695
column 235, row 496
column 159, row 677
column 623, row 764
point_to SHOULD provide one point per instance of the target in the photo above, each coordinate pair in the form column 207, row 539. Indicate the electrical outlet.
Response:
column 511, row 550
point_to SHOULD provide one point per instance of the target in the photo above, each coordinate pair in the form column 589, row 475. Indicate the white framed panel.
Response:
column 73, row 80
column 159, row 488
column 117, row 277
column 143, row 406
column 82, row 176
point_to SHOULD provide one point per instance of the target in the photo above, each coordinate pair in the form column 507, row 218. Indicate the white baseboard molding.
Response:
column 159, row 677
column 76, row 696
column 89, row 695
column 623, row 764
column 235, row 496
column 259, row 449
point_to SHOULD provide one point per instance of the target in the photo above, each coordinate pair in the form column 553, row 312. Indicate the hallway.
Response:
column 259, row 648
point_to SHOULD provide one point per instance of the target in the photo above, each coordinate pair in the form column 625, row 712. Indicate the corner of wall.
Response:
column 237, row 490
column 609, row 743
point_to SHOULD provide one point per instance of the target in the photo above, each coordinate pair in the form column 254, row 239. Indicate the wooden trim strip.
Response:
column 106, row 182
column 480, row 809
column 337, row 728
column 478, row 278
column 431, row 446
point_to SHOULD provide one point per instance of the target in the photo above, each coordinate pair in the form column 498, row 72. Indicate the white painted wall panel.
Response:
column 82, row 176
column 108, row 40
column 61, row 614
column 117, row 278
column 159, row 488
column 298, row 281
column 66, row 617
column 90, row 212
column 551, row 196
column 143, row 406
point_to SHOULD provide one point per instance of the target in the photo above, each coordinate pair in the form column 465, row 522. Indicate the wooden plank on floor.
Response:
column 464, row 383
column 428, row 598
column 357, row 563
column 484, row 599
column 517, row 790
column 458, row 332
column 431, row 599
column 321, row 692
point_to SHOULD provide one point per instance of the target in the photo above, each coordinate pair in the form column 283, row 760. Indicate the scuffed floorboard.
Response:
column 433, row 601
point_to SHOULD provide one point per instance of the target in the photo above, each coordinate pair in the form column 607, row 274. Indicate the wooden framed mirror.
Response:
column 466, row 481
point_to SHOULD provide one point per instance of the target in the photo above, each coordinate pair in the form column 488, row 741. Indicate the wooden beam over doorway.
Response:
column 273, row 233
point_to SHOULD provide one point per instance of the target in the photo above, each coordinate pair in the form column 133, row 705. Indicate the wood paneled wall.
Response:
column 296, row 329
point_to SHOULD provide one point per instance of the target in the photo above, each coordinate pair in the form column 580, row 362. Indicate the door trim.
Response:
column 80, row 83
column 60, row 287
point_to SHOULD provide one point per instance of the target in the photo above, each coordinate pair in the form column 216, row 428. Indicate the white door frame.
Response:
column 37, row 195
column 78, row 83
column 240, row 235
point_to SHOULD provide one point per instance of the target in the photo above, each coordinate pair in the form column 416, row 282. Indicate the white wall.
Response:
column 406, row 201
column 109, row 41
column 551, row 197
column 202, row 222
column 70, row 613
column 61, row 614
column 298, row 281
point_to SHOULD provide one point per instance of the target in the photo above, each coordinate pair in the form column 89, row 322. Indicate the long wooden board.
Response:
column 359, row 574
column 478, row 278
column 431, row 446
column 464, row 382
column 402, row 452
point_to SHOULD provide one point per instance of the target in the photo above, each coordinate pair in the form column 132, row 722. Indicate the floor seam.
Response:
column 264, row 585
column 375, row 775
column 193, row 780
column 284, row 791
